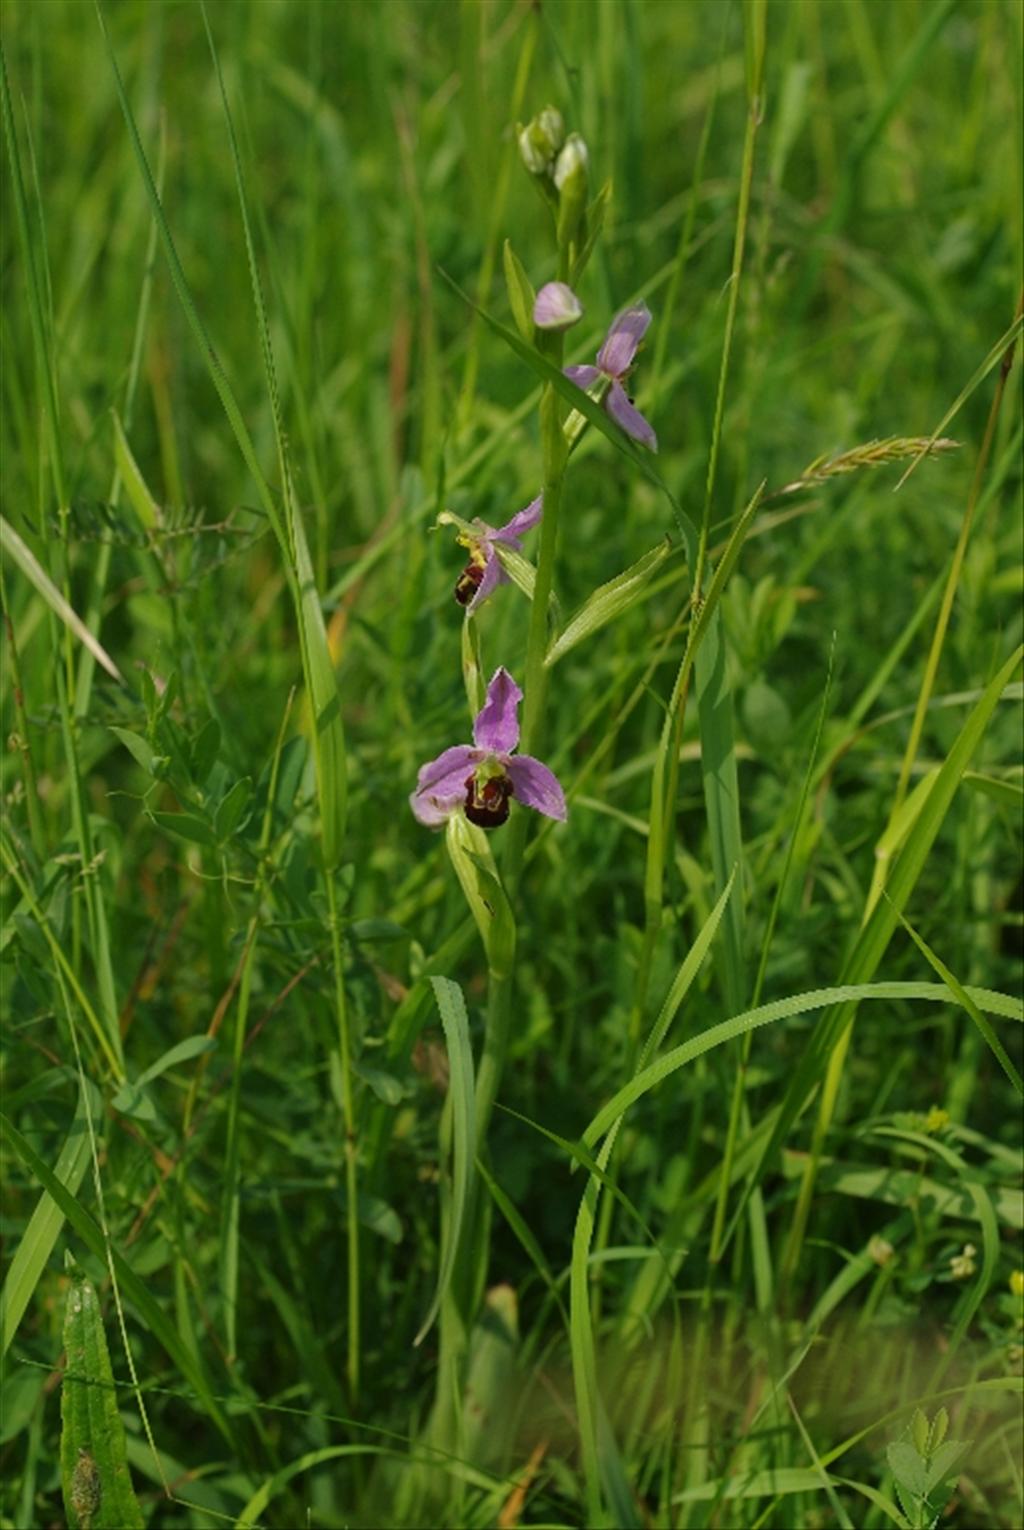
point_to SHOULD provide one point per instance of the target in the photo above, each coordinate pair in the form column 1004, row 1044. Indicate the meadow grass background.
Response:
column 882, row 264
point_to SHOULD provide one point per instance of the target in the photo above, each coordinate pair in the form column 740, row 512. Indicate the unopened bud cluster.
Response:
column 540, row 141
column 560, row 165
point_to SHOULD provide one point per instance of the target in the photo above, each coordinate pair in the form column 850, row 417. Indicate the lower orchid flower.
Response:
column 482, row 777
column 614, row 363
column 483, row 573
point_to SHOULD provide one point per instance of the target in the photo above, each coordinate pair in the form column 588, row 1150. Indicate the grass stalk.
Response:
column 23, row 742
column 952, row 581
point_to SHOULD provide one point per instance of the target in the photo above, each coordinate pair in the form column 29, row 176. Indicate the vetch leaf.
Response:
column 231, row 811
column 183, row 1051
column 139, row 748
column 186, row 826
column 98, row 1492
column 204, row 751
column 607, row 602
column 380, row 1218
column 132, row 1100
column 385, row 1086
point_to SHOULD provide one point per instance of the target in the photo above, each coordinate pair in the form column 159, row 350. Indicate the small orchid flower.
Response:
column 483, row 573
column 556, row 306
column 481, row 778
column 614, row 363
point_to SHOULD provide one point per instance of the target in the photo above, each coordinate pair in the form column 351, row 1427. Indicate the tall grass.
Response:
column 657, row 1167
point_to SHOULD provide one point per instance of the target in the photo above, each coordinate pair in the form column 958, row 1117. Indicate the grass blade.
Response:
column 17, row 549
column 964, row 999
column 767, row 1014
column 44, row 1227
column 138, row 1292
column 98, row 1492
column 452, row 1008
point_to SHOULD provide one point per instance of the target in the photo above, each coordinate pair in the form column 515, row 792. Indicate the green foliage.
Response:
column 684, row 1136
column 98, row 1492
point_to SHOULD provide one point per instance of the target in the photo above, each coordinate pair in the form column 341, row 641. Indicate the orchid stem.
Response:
column 496, row 1028
column 351, row 1167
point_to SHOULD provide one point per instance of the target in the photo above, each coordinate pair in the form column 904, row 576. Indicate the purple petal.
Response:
column 631, row 420
column 620, row 344
column 583, row 377
column 441, row 784
column 497, row 727
column 536, row 786
column 524, row 521
column 556, row 306
column 494, row 575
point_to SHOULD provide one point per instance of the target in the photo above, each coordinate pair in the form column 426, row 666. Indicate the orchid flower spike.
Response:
column 614, row 363
column 480, row 778
column 483, row 573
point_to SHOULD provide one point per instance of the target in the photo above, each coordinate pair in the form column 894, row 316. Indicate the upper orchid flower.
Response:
column 481, row 778
column 614, row 363
column 483, row 573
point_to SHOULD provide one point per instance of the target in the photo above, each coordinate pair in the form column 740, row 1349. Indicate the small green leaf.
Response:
column 944, row 1459
column 139, row 749
column 520, row 293
column 940, row 1426
column 204, row 751
column 377, row 929
column 385, row 1086
column 595, row 222
column 98, row 1492
column 380, row 1218
column 607, row 602
column 186, row 826
column 919, row 1432
column 231, row 812
column 908, row 1468
column 132, row 1100
column 183, row 1051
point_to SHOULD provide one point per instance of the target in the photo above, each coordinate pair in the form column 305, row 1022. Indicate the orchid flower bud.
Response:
column 570, row 176
column 541, row 139
column 556, row 307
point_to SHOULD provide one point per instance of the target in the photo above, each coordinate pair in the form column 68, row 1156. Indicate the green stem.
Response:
column 492, row 1062
column 36, row 829
column 953, row 579
column 351, row 1140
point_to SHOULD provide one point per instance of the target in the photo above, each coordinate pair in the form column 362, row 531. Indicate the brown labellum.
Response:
column 468, row 583
column 487, row 801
